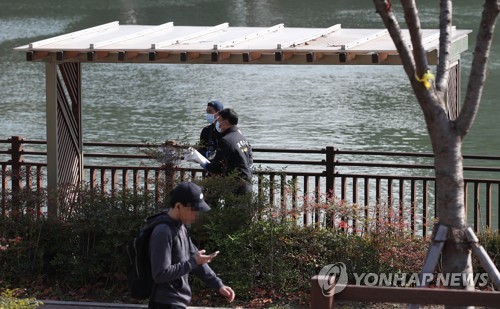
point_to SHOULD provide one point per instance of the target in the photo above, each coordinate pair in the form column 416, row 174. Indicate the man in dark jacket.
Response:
column 173, row 255
column 234, row 153
column 209, row 135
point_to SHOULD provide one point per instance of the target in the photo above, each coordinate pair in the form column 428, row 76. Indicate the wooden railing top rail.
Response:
column 196, row 170
column 408, row 177
column 388, row 165
column 410, row 154
column 25, row 141
column 384, row 153
column 290, row 150
column 281, row 150
column 116, row 155
column 309, row 161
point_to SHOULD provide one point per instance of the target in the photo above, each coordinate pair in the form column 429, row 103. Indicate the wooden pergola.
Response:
column 114, row 43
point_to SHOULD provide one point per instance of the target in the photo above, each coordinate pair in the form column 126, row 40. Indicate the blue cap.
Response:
column 189, row 193
column 216, row 104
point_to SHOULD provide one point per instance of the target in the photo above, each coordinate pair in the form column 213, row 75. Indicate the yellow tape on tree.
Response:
column 426, row 79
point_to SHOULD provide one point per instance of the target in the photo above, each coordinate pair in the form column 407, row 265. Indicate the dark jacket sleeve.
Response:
column 160, row 252
column 204, row 272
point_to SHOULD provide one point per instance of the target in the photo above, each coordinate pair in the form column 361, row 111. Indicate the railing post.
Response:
column 3, row 185
column 330, row 169
column 16, row 148
column 169, row 176
column 330, row 180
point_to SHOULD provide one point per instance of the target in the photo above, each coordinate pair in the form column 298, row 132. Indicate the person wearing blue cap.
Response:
column 173, row 255
column 209, row 135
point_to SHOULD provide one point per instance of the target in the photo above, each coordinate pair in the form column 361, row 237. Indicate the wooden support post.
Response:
column 52, row 138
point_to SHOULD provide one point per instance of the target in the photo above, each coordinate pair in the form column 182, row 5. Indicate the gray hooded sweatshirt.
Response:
column 172, row 259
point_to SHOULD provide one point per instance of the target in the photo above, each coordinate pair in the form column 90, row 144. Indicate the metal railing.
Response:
column 401, row 183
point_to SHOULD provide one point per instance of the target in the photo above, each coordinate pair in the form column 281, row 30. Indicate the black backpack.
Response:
column 140, row 280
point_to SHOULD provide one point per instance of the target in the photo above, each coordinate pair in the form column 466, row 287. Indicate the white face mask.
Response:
column 210, row 118
column 217, row 126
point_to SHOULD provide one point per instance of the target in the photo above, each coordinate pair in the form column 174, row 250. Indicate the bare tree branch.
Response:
column 414, row 27
column 426, row 97
column 445, row 23
column 384, row 9
column 478, row 72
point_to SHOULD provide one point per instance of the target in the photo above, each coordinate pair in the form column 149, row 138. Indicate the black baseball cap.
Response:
column 189, row 193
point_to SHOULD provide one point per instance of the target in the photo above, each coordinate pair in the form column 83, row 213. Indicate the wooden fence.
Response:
column 400, row 183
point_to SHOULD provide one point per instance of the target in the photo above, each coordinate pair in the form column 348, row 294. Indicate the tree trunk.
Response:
column 456, row 254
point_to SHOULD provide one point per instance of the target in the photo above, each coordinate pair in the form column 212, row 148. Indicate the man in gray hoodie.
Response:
column 173, row 255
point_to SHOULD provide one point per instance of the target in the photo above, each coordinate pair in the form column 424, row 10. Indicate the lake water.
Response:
column 349, row 107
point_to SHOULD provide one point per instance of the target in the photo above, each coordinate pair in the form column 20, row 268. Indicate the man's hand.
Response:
column 227, row 292
column 193, row 155
column 202, row 258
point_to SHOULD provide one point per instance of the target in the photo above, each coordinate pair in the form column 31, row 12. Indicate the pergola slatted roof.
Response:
column 278, row 44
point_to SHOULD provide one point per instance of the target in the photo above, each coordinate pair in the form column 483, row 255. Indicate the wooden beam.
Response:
column 36, row 55
column 52, row 138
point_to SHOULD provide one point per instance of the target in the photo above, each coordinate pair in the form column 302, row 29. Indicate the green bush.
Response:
column 13, row 299
column 82, row 250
